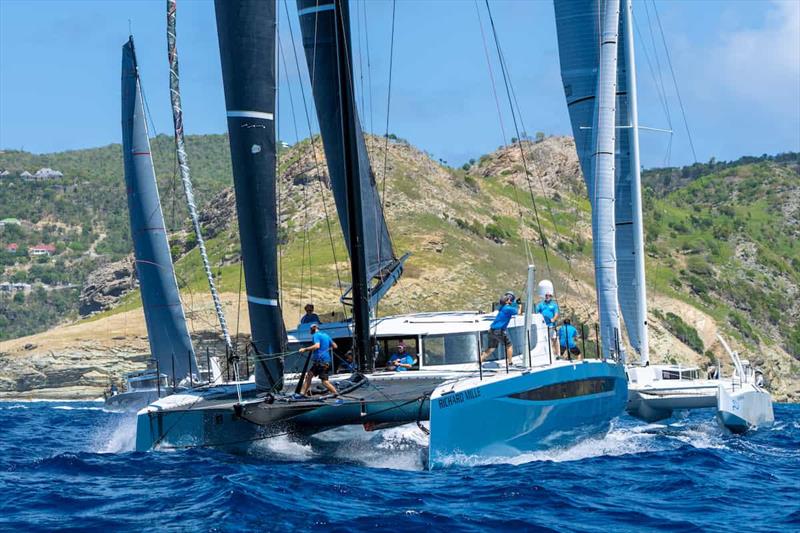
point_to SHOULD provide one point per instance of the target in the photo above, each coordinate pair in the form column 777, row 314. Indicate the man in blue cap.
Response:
column 320, row 359
column 498, row 329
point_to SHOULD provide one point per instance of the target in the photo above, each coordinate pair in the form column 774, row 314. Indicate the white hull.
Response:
column 745, row 408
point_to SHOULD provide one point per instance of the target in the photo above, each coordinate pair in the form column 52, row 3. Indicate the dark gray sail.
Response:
column 246, row 31
column 318, row 26
column 166, row 324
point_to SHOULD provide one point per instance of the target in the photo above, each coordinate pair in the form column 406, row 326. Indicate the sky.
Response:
column 736, row 66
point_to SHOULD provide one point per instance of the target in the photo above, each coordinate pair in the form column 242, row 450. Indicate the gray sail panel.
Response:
column 246, row 31
column 627, row 273
column 318, row 27
column 578, row 30
column 588, row 32
column 169, row 338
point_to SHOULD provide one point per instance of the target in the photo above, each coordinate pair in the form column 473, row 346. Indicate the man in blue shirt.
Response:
column 310, row 317
column 566, row 339
column 320, row 359
column 548, row 308
column 402, row 360
column 497, row 331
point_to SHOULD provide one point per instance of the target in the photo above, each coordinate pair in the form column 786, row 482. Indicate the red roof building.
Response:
column 12, row 248
column 42, row 249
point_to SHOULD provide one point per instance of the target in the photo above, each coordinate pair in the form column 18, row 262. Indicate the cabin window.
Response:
column 670, row 374
column 452, row 349
column 690, row 374
column 517, row 336
column 387, row 347
column 570, row 389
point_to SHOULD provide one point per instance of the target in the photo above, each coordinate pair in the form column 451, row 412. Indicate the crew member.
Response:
column 498, row 329
column 347, row 365
column 320, row 359
column 566, row 340
column 310, row 317
column 402, row 360
column 548, row 308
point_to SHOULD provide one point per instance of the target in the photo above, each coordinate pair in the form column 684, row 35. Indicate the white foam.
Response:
column 70, row 408
column 283, row 448
column 116, row 437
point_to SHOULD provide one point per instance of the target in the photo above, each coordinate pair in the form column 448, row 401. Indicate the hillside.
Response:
column 722, row 250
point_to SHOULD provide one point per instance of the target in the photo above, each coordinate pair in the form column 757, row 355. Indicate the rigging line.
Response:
column 522, row 151
column 360, row 60
column 491, row 74
column 314, row 149
column 388, row 108
column 369, row 68
column 188, row 188
column 659, row 71
column 659, row 89
column 674, row 81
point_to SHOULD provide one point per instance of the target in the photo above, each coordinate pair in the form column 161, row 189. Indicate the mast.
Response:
column 636, row 186
column 604, row 193
column 246, row 31
column 325, row 25
column 166, row 323
column 355, row 220
column 183, row 165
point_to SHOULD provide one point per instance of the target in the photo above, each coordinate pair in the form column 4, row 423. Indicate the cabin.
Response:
column 436, row 341
column 12, row 248
column 41, row 249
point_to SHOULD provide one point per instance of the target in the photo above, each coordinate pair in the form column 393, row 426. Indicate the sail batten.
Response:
column 167, row 334
column 246, row 31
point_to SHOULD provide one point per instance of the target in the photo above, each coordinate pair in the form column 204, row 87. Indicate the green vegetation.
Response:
column 683, row 331
column 720, row 236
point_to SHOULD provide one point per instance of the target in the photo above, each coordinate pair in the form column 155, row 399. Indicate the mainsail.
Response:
column 246, row 31
column 319, row 28
column 588, row 32
column 169, row 339
column 628, row 206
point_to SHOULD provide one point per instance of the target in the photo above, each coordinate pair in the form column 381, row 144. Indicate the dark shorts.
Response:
column 320, row 370
column 574, row 350
column 497, row 336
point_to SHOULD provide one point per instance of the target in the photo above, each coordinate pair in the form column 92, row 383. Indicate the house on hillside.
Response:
column 47, row 174
column 4, row 173
column 42, row 249
column 27, row 176
column 12, row 248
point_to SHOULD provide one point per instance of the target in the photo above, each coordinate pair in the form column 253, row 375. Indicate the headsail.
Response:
column 588, row 51
column 319, row 29
column 246, row 32
column 166, row 324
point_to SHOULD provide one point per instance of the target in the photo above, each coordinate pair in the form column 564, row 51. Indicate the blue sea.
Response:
column 69, row 466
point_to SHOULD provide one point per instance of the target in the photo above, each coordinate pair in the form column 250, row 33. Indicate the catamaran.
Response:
column 474, row 409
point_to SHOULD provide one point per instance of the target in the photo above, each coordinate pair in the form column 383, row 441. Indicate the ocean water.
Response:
column 69, row 466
